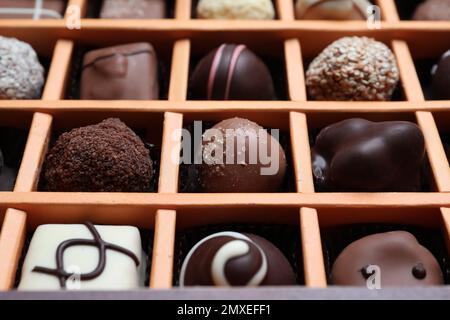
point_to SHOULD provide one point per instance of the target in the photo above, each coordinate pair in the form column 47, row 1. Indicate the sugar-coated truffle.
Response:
column 240, row 156
column 433, row 10
column 133, row 9
column 235, row 259
column 396, row 257
column 21, row 74
column 32, row 9
column 232, row 72
column 440, row 85
column 332, row 9
column 357, row 155
column 236, row 9
column 353, row 68
column 83, row 257
column 125, row 72
column 106, row 157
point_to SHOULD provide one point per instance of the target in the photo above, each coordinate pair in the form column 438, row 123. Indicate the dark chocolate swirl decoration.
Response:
column 96, row 242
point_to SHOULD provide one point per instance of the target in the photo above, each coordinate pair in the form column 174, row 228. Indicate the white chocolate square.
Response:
column 120, row 272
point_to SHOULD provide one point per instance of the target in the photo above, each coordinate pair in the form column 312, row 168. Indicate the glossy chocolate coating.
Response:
column 235, row 259
column 440, row 85
column 331, row 9
column 232, row 72
column 357, row 155
column 401, row 259
column 433, row 10
column 126, row 72
column 245, row 175
column 28, row 9
column 135, row 9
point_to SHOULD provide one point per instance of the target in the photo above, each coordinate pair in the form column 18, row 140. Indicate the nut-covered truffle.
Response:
column 353, row 68
column 332, row 9
column 433, row 10
column 240, row 156
column 232, row 72
column 357, row 155
column 236, row 9
column 440, row 85
column 106, row 157
column 396, row 258
column 21, row 74
column 235, row 259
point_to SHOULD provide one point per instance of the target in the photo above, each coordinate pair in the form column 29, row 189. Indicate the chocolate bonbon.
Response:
column 433, row 10
column 235, row 259
column 363, row 156
column 106, row 157
column 22, row 75
column 353, row 68
column 440, row 84
column 83, row 256
column 236, row 9
column 32, row 9
column 395, row 257
column 125, row 72
column 134, row 9
column 332, row 9
column 232, row 72
column 240, row 156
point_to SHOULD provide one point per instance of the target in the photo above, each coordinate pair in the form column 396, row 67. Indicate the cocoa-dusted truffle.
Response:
column 21, row 74
column 332, row 9
column 353, row 68
column 357, row 155
column 106, row 157
column 235, row 259
column 240, row 156
column 433, row 10
column 133, row 9
column 32, row 9
column 236, row 9
column 232, row 72
column 440, row 85
column 397, row 257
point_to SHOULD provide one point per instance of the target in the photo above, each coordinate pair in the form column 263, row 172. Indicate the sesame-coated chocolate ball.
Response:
column 106, row 157
column 353, row 68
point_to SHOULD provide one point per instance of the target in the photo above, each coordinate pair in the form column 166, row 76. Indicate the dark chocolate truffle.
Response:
column 354, row 69
column 32, row 9
column 7, row 178
column 241, row 156
column 133, row 9
column 235, row 259
column 107, row 157
column 363, row 156
column 126, row 72
column 398, row 258
column 440, row 85
column 232, row 72
column 332, row 9
column 433, row 10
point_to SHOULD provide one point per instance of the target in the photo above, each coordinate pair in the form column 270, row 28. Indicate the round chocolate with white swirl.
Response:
column 235, row 259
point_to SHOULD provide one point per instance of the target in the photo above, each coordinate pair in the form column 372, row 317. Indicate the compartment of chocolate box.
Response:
column 148, row 126
column 14, row 127
column 94, row 8
column 313, row 47
column 342, row 226
column 280, row 228
column 188, row 178
column 271, row 52
column 195, row 3
column 319, row 121
column 146, row 242
column 406, row 8
column 164, row 56
column 442, row 120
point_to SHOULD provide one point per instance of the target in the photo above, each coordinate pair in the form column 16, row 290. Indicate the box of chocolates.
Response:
column 177, row 149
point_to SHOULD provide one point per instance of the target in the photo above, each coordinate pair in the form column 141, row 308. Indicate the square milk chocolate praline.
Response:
column 133, row 9
column 124, row 72
column 32, row 9
column 84, row 257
